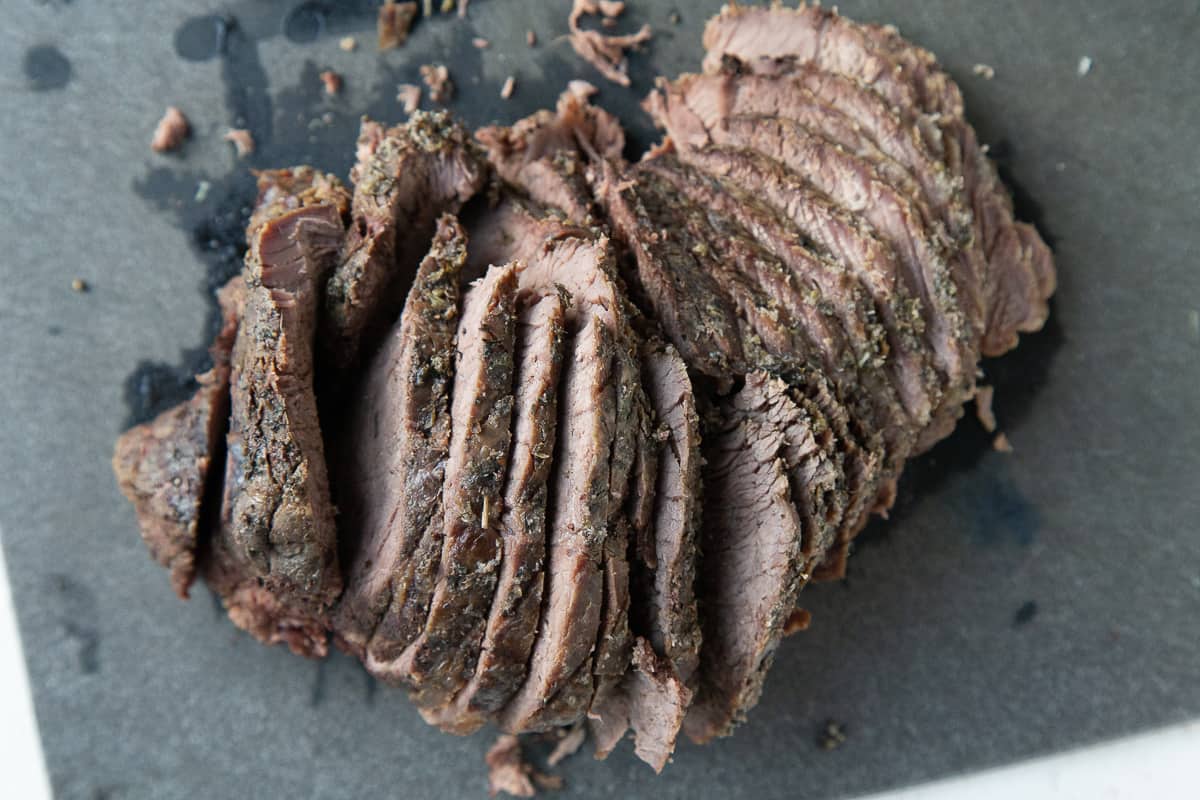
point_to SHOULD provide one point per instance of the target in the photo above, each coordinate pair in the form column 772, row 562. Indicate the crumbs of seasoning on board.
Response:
column 243, row 141
column 170, row 132
column 348, row 44
column 332, row 81
column 673, row 18
column 409, row 96
column 984, row 71
column 506, row 91
column 202, row 190
column 79, row 286
column 394, row 22
column 831, row 736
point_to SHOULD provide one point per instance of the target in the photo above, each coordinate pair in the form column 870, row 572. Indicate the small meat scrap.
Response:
column 409, row 95
column 332, row 81
column 531, row 38
column 79, row 285
column 243, row 141
column 568, row 745
column 480, row 43
column 603, row 51
column 983, row 408
column 507, row 89
column 437, row 78
column 394, row 22
column 798, row 621
column 984, row 71
column 1001, row 444
column 348, row 43
column 172, row 129
column 508, row 771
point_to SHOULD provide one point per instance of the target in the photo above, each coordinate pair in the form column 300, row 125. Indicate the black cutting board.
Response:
column 1015, row 604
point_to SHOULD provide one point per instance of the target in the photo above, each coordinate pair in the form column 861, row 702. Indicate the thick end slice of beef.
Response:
column 165, row 466
column 513, row 619
column 559, row 685
column 750, row 569
column 391, row 491
column 443, row 656
column 275, row 553
column 406, row 177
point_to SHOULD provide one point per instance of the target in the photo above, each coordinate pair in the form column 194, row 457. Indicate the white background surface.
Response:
column 1162, row 764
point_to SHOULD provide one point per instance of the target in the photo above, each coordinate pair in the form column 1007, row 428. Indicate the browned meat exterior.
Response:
column 165, row 466
column 749, row 573
column 512, row 622
column 405, row 178
column 399, row 441
column 683, row 296
column 442, row 657
column 1019, row 275
column 545, row 154
column 559, row 685
column 274, row 556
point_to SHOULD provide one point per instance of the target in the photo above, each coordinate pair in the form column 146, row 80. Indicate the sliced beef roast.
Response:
column 855, row 243
column 559, row 685
column 442, row 657
column 274, row 558
column 749, row 574
column 653, row 698
column 684, row 297
column 165, row 466
column 399, row 441
column 1020, row 275
column 406, row 176
column 513, row 619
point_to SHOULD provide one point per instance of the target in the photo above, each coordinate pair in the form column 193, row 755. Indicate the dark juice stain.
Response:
column 203, row 38
column 1025, row 614
column 306, row 22
column 46, row 68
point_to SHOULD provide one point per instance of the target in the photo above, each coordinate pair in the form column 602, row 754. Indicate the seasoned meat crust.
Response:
column 275, row 553
column 399, row 442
